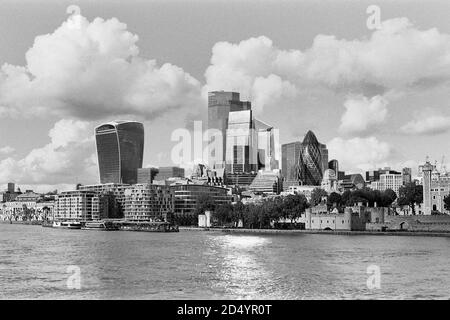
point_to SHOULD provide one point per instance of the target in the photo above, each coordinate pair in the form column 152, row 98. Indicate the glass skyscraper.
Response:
column 120, row 150
column 313, row 160
column 220, row 104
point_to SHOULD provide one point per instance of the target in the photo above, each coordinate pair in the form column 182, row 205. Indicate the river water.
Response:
column 46, row 263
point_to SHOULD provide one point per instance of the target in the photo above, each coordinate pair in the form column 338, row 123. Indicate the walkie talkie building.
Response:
column 120, row 151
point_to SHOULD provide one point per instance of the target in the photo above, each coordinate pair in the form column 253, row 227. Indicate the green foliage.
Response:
column 204, row 203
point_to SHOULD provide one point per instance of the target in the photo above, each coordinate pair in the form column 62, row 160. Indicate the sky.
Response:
column 376, row 96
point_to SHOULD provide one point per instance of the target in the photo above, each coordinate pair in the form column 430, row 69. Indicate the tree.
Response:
column 334, row 199
column 388, row 197
column 409, row 195
column 224, row 213
column 316, row 196
column 447, row 202
column 204, row 203
column 293, row 205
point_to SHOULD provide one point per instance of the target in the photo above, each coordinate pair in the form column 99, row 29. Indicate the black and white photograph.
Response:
column 224, row 150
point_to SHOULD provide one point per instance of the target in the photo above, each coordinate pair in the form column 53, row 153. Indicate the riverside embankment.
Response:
column 326, row 232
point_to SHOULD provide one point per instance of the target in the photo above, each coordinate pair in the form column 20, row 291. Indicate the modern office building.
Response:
column 115, row 197
column 290, row 159
column 352, row 182
column 120, row 150
column 220, row 104
column 146, row 175
column 241, row 143
column 268, row 147
column 407, row 175
column 169, row 172
column 146, row 202
column 77, row 206
column 11, row 187
column 313, row 160
column 334, row 165
column 186, row 197
column 267, row 182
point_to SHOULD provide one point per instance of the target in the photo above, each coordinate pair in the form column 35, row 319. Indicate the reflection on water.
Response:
column 212, row 265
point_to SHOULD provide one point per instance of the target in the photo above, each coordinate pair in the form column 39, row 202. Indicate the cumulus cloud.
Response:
column 91, row 69
column 431, row 125
column 6, row 150
column 396, row 57
column 362, row 153
column 69, row 156
column 362, row 114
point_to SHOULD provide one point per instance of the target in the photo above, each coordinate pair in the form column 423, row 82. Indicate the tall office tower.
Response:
column 407, row 175
column 120, row 150
column 312, row 160
column 268, row 155
column 220, row 104
column 290, row 157
column 11, row 187
column 242, row 143
column 426, row 171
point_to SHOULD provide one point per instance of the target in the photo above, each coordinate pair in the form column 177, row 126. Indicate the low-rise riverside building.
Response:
column 146, row 202
column 186, row 197
column 353, row 218
column 77, row 205
column 26, row 210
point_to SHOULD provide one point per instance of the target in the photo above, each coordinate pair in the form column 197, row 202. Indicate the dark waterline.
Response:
column 34, row 264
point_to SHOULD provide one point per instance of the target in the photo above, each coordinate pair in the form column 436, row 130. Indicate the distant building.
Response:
column 268, row 182
column 11, row 187
column 77, row 205
column 187, row 195
column 305, row 190
column 313, row 160
column 146, row 175
column 145, row 202
column 120, row 150
column 169, row 172
column 436, row 186
column 329, row 181
column 290, row 159
column 406, row 175
column 352, row 182
column 220, row 104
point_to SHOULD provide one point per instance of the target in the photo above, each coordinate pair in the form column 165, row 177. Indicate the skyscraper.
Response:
column 290, row 157
column 120, row 150
column 220, row 104
column 313, row 160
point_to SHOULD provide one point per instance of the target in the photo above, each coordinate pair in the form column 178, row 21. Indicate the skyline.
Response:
column 327, row 84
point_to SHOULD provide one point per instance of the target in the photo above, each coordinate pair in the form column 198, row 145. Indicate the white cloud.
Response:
column 397, row 57
column 70, row 156
column 362, row 153
column 431, row 125
column 93, row 71
column 6, row 150
column 362, row 115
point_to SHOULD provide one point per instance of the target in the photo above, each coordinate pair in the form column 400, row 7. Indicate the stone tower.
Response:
column 427, row 169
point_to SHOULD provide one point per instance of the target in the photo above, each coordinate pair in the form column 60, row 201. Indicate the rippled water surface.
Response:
column 34, row 264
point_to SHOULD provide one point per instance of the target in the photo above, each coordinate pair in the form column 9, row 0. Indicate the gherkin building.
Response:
column 313, row 155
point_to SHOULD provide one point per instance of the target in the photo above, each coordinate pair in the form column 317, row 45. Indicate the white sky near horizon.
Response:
column 365, row 127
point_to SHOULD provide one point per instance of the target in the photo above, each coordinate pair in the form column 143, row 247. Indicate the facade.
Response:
column 268, row 147
column 120, row 150
column 220, row 104
column 352, row 182
column 146, row 175
column 114, row 195
column 290, row 159
column 77, row 206
column 26, row 210
column 241, row 143
column 436, row 186
column 407, row 175
column 313, row 160
column 145, row 203
column 352, row 219
column 169, row 172
column 268, row 182
column 187, row 195
column 305, row 190
column 329, row 181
